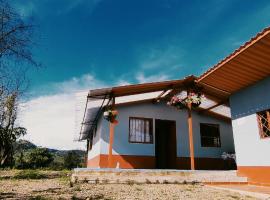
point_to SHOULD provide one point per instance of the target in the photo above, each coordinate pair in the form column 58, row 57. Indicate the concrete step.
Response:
column 156, row 176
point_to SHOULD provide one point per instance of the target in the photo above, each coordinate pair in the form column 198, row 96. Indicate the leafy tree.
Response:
column 72, row 160
column 8, row 131
column 15, row 48
column 38, row 157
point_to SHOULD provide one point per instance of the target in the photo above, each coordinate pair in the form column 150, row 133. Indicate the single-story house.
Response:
column 245, row 77
column 152, row 134
column 237, row 92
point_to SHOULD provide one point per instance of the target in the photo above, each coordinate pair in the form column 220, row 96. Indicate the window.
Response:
column 210, row 136
column 140, row 130
column 264, row 123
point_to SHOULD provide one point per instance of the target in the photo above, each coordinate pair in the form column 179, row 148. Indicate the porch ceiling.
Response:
column 245, row 66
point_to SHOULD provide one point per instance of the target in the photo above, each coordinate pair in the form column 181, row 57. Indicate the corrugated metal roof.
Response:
column 245, row 66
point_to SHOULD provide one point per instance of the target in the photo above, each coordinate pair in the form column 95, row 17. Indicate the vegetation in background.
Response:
column 72, row 160
column 29, row 156
column 15, row 54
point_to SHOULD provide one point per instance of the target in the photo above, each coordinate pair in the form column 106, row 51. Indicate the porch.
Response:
column 156, row 176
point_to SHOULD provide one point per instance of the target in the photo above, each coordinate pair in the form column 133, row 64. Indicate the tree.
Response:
column 38, row 157
column 8, row 131
column 72, row 160
column 15, row 52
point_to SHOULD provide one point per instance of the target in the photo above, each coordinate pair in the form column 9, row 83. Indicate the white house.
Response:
column 244, row 77
column 152, row 134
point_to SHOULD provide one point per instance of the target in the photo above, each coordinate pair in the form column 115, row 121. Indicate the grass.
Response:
column 30, row 174
column 40, row 174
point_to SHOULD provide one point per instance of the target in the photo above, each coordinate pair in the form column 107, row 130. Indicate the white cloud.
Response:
column 50, row 119
column 75, row 84
column 161, row 58
column 141, row 78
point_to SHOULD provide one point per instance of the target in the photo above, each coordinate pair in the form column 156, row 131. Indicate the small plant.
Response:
column 130, row 182
column 97, row 181
column 110, row 115
column 229, row 160
column 71, row 184
column 77, row 188
column 38, row 198
column 195, row 99
column 157, row 182
column 165, row 182
column 148, row 181
column 105, row 181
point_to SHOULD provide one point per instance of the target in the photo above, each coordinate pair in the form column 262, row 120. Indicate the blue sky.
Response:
column 131, row 40
column 83, row 44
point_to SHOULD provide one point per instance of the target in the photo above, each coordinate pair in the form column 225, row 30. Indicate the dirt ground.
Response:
column 56, row 187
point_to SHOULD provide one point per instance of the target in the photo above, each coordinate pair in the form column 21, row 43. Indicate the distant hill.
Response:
column 23, row 146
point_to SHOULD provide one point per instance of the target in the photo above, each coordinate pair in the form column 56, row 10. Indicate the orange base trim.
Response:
column 225, row 183
column 149, row 162
column 257, row 175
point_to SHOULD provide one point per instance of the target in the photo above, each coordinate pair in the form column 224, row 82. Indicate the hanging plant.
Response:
column 111, row 115
column 195, row 99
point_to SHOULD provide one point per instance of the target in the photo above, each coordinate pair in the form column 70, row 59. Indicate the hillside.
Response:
column 25, row 146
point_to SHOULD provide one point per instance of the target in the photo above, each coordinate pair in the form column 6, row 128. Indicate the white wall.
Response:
column 96, row 146
column 250, row 149
column 163, row 111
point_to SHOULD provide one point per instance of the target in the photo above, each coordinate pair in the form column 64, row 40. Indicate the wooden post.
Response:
column 110, row 159
column 190, row 132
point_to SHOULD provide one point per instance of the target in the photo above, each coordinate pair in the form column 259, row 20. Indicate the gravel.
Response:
column 60, row 188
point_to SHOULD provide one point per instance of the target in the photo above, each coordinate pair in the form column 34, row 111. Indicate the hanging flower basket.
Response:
column 111, row 115
column 195, row 99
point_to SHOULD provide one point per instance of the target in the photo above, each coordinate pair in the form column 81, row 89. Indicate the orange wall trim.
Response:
column 259, row 175
column 148, row 162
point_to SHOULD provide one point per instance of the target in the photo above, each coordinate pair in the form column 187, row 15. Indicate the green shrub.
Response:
column 72, row 160
column 29, row 174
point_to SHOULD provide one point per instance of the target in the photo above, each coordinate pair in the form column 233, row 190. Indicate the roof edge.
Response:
column 242, row 48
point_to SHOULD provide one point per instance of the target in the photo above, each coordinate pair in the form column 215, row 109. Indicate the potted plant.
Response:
column 193, row 98
column 177, row 102
column 110, row 115
column 229, row 160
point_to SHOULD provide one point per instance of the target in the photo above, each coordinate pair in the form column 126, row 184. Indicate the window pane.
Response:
column 140, row 130
column 210, row 136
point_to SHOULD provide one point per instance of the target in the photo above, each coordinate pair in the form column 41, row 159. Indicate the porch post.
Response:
column 110, row 159
column 190, row 132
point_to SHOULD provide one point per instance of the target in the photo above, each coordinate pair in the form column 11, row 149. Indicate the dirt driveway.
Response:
column 41, row 185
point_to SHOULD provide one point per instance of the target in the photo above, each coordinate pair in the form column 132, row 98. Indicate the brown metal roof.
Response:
column 245, row 66
column 141, row 88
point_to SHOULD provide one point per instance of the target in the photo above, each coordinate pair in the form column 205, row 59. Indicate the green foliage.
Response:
column 39, row 157
column 29, row 174
column 34, row 158
column 28, row 156
column 8, row 135
column 72, row 160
